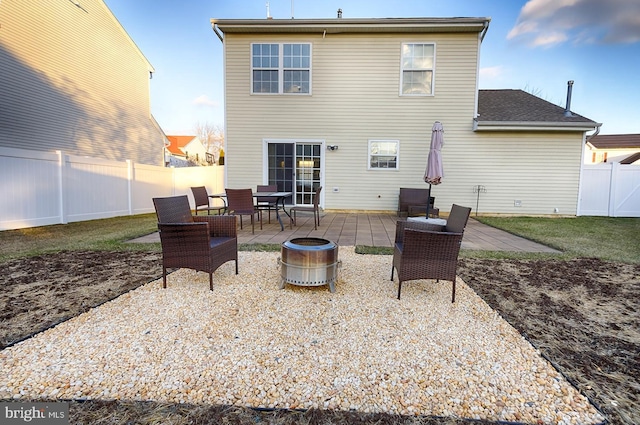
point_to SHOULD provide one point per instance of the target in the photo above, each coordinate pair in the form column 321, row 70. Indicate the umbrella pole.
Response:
column 428, row 197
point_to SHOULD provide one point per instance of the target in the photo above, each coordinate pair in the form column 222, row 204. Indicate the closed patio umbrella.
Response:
column 434, row 173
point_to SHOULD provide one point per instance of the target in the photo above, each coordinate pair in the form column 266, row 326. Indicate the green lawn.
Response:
column 607, row 238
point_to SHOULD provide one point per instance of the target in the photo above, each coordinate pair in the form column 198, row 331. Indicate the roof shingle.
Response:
column 518, row 106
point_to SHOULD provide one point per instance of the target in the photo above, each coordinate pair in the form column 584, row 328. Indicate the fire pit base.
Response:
column 309, row 262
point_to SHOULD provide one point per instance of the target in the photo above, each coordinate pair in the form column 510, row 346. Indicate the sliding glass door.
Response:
column 295, row 167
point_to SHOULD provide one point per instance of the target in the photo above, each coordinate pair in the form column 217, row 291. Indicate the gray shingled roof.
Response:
column 615, row 141
column 519, row 107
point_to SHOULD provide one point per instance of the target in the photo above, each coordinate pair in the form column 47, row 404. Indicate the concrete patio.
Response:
column 370, row 229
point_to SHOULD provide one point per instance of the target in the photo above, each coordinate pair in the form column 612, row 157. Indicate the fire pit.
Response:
column 309, row 262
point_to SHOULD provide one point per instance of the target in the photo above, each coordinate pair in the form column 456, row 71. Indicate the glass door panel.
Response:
column 307, row 172
column 295, row 167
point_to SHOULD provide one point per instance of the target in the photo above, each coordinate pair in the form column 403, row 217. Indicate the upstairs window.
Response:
column 383, row 154
column 281, row 68
column 417, row 69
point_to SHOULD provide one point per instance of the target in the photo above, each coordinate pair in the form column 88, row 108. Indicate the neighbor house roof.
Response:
column 178, row 142
column 615, row 141
column 519, row 110
column 351, row 25
column 631, row 158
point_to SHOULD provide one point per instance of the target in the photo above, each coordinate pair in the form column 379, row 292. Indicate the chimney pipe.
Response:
column 339, row 13
column 567, row 109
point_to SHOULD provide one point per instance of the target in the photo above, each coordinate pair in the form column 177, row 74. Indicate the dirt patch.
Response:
column 581, row 314
column 42, row 291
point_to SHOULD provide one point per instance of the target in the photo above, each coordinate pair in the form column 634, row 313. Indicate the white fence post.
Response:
column 62, row 165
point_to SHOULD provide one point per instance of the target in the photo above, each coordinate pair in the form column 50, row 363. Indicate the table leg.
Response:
column 278, row 213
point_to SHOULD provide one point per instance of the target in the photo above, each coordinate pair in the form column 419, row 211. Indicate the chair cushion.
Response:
column 219, row 240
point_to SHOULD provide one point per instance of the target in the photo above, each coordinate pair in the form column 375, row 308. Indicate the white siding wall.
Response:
column 72, row 79
column 355, row 97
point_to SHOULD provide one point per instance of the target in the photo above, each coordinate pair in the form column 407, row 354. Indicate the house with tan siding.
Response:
column 349, row 104
column 73, row 80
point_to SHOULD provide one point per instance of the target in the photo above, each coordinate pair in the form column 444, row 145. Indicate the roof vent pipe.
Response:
column 339, row 13
column 567, row 109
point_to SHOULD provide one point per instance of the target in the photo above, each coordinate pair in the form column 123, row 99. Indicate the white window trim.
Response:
column 433, row 70
column 281, row 68
column 397, row 155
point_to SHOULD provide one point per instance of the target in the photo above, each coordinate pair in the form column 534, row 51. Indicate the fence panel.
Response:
column 30, row 184
column 94, row 188
column 43, row 188
column 610, row 189
column 626, row 191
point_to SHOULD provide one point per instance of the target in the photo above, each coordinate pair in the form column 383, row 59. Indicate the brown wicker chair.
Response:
column 240, row 202
column 266, row 204
column 315, row 209
column 428, row 251
column 201, row 243
column 201, row 198
column 412, row 201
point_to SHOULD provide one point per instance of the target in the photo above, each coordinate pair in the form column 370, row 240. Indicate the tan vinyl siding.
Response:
column 541, row 170
column 356, row 97
column 73, row 80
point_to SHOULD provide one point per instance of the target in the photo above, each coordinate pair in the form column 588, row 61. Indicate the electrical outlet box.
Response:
column 517, row 203
column 336, row 189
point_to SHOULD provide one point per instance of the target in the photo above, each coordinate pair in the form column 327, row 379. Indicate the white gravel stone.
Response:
column 249, row 343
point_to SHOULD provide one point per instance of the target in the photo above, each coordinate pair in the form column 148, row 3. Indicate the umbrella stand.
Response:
column 428, row 202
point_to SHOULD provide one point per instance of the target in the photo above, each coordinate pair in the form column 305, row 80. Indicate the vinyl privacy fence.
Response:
column 610, row 189
column 43, row 188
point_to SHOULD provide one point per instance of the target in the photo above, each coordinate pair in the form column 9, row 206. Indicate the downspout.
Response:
column 475, row 110
column 580, row 185
column 215, row 29
column 484, row 30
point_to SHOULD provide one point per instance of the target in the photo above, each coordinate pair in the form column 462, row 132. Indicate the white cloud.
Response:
column 203, row 100
column 491, row 71
column 550, row 22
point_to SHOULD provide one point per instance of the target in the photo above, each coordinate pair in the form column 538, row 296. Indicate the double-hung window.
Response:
column 418, row 61
column 279, row 68
column 383, row 154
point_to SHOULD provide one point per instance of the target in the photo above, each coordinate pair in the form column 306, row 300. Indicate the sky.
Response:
column 535, row 45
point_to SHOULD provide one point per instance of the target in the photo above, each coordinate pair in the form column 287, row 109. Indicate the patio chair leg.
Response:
column 211, row 281
column 392, row 273
column 164, row 276
column 453, row 292
column 399, row 289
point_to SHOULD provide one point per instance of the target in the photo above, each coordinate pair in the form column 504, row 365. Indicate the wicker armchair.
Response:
column 428, row 251
column 414, row 202
column 201, row 243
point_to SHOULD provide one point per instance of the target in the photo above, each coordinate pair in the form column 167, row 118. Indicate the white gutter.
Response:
column 535, row 126
column 214, row 26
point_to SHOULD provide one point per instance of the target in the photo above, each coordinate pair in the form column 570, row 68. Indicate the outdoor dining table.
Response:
column 278, row 197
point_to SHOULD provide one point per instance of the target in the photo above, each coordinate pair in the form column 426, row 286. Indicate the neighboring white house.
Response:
column 72, row 79
column 622, row 148
column 184, row 151
column 349, row 104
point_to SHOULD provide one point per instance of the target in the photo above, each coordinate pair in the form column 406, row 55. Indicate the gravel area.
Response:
column 249, row 343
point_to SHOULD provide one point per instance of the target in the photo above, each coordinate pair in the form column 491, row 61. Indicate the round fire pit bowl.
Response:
column 309, row 262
